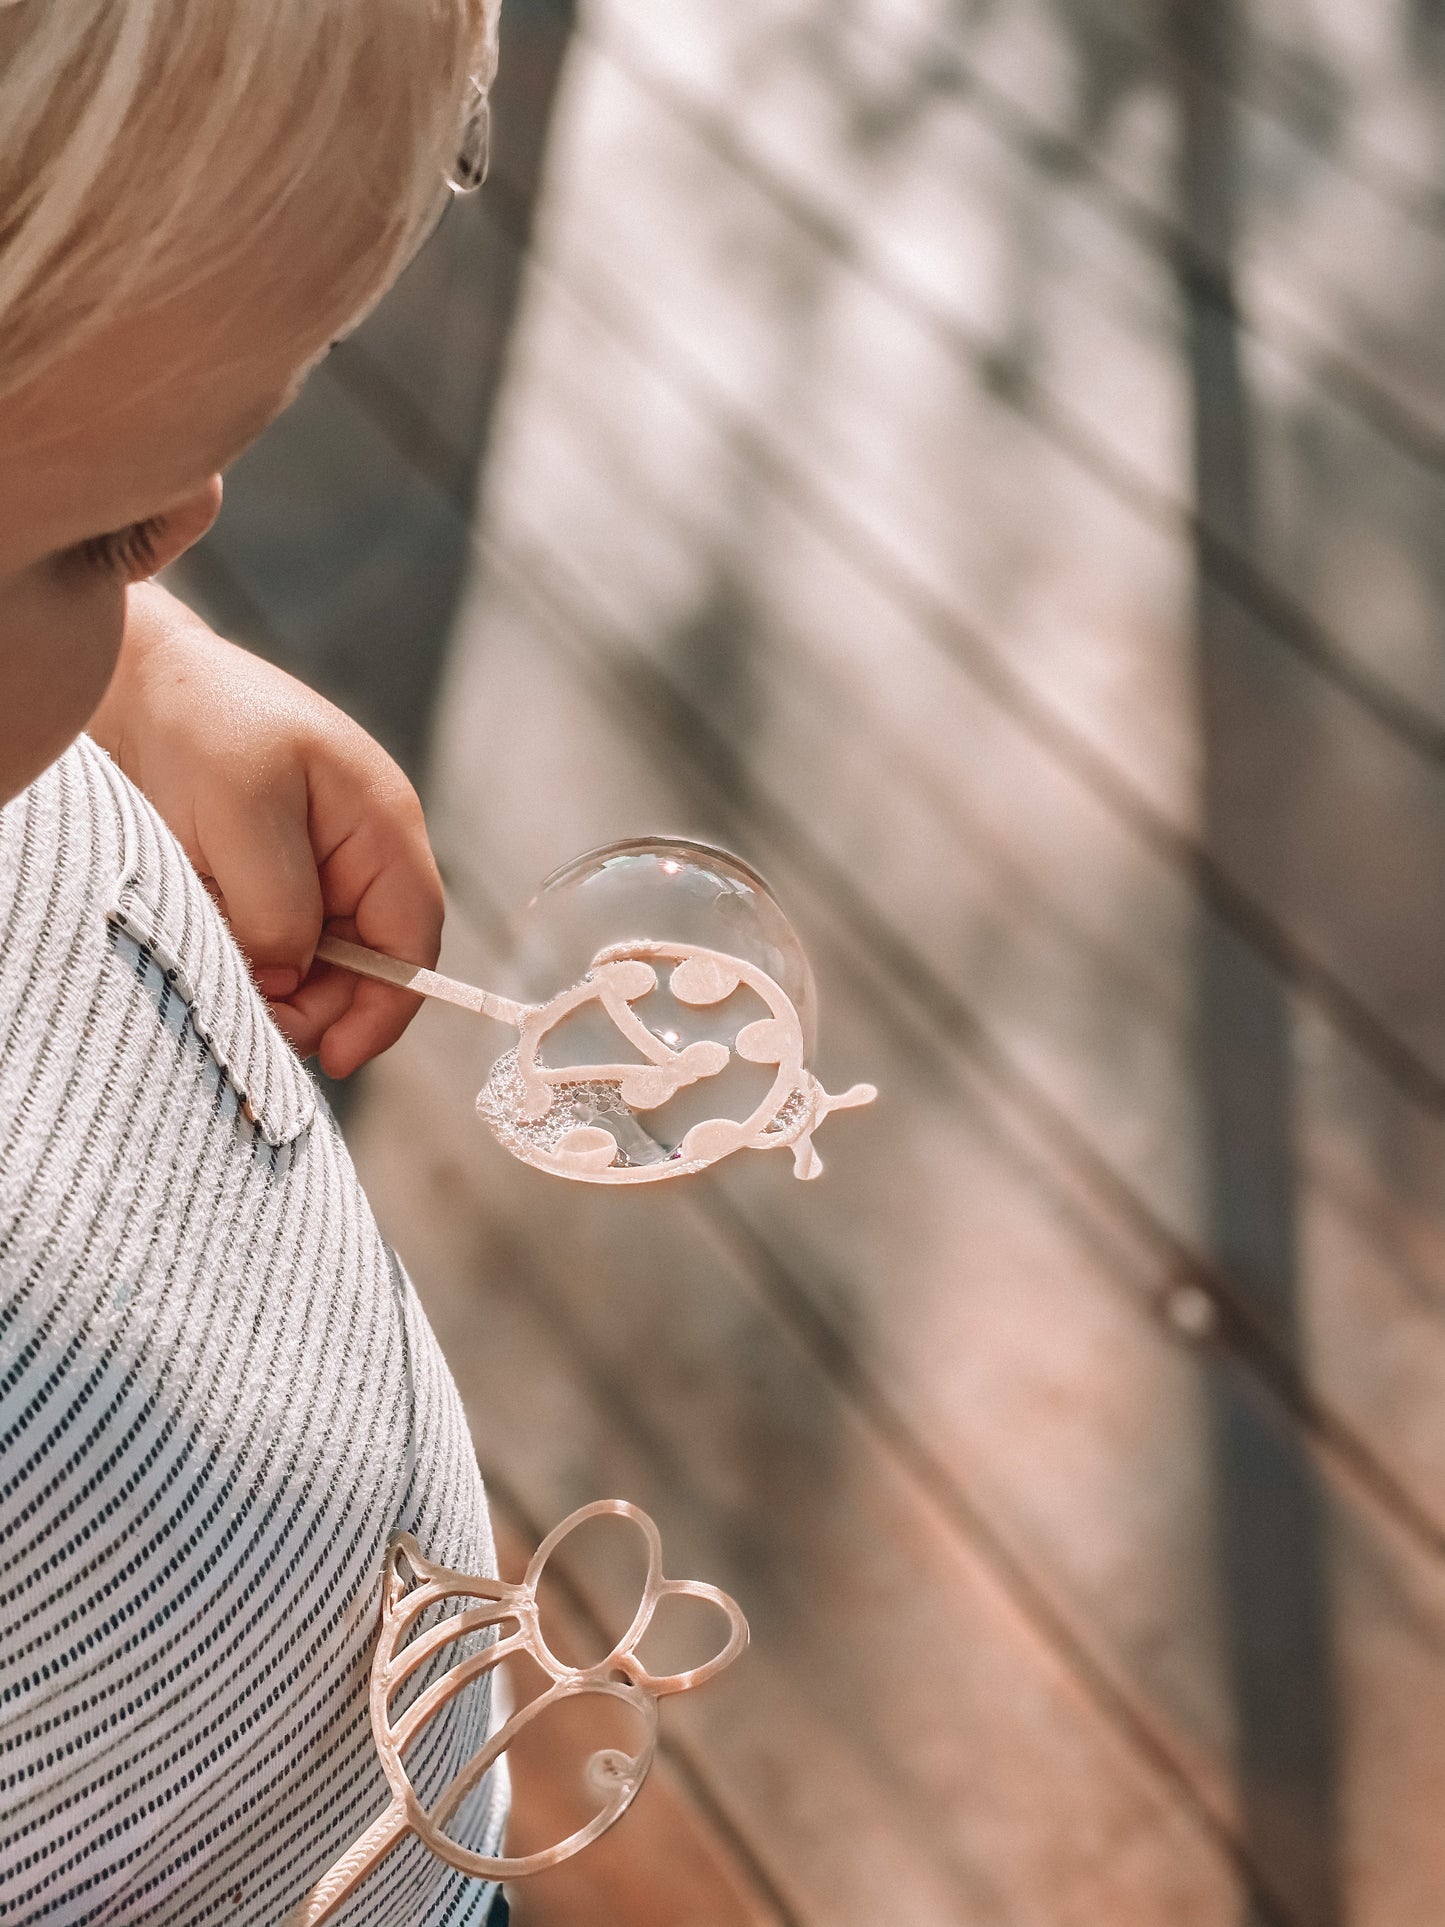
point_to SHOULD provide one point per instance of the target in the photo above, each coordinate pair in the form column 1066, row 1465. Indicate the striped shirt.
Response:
column 218, row 1398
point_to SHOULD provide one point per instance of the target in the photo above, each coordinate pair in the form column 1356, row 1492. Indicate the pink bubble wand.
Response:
column 531, row 1105
column 411, row 1585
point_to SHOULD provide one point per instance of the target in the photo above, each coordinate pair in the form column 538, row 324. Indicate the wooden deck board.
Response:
column 1351, row 794
column 899, row 1267
column 868, row 1778
column 1034, row 269
column 1332, row 249
column 834, row 380
column 1066, row 934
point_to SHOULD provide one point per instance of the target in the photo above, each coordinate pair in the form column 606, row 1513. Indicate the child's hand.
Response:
column 291, row 813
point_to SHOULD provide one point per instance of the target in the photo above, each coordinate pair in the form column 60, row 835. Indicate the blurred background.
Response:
column 982, row 460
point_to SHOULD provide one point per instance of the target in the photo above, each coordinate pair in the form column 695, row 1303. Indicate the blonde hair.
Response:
column 145, row 143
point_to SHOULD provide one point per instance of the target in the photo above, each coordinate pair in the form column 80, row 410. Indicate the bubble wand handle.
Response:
column 337, row 1886
column 425, row 983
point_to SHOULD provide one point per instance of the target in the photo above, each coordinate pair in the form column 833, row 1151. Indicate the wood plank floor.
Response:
column 985, row 463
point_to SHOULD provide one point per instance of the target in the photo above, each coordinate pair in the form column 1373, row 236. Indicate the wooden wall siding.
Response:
column 984, row 462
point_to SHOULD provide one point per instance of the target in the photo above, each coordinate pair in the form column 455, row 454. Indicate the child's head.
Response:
column 195, row 197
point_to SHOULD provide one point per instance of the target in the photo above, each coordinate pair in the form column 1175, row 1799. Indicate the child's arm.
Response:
column 289, row 810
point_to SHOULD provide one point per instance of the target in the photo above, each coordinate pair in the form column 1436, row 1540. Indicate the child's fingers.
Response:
column 377, row 1016
column 265, row 870
column 399, row 911
column 308, row 1013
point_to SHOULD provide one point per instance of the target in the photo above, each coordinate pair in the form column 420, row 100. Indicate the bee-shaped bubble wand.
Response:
column 411, row 1585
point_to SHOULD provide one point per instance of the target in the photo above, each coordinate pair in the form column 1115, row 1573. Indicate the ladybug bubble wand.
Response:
column 588, row 1120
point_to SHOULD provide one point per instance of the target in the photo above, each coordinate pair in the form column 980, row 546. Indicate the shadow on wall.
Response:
column 336, row 559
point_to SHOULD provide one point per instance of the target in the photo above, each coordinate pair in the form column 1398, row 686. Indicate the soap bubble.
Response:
column 660, row 890
column 660, row 887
